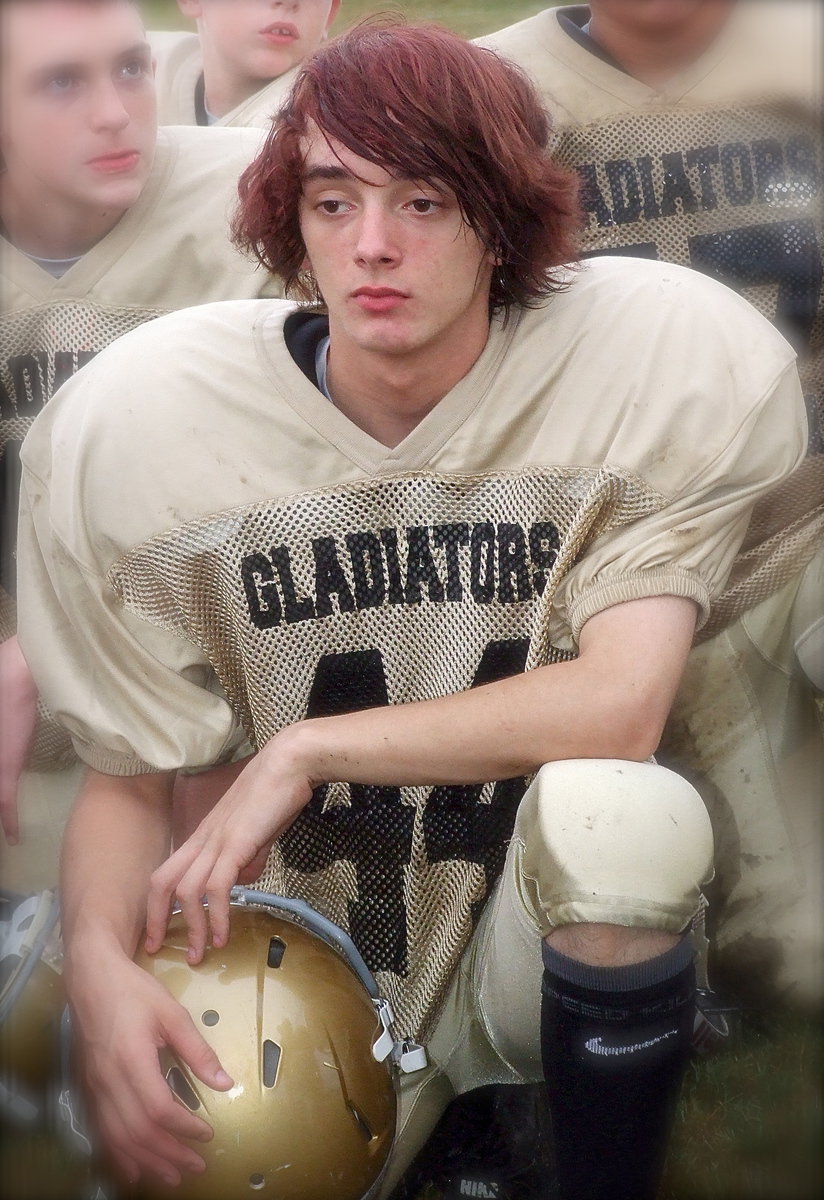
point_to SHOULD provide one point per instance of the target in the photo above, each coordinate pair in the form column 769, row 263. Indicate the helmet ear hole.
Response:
column 181, row 1087
column 257, row 1181
column 277, row 949
column 271, row 1062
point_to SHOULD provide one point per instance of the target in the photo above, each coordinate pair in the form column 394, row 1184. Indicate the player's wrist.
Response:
column 94, row 950
column 300, row 751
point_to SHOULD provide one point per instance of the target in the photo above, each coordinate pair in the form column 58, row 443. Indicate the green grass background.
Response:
column 750, row 1120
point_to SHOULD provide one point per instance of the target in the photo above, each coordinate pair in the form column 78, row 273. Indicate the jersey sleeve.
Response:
column 686, row 545
column 134, row 698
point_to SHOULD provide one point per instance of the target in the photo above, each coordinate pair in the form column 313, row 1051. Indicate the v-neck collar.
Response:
column 624, row 86
column 97, row 261
column 429, row 435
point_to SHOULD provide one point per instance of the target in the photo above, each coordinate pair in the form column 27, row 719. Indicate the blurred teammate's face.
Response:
column 258, row 40
column 78, row 120
column 663, row 18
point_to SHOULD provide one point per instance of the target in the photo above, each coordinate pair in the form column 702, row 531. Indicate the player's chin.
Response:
column 117, row 194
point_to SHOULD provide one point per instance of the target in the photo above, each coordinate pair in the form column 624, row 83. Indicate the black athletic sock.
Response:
column 615, row 1043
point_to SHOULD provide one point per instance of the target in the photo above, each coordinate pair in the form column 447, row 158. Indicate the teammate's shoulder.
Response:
column 216, row 147
column 564, row 73
column 259, row 110
column 540, row 29
column 173, row 45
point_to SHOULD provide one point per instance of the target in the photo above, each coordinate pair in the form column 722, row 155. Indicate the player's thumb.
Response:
column 182, row 1036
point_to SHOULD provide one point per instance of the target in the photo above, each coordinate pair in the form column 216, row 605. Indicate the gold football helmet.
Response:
column 31, row 1002
column 295, row 1018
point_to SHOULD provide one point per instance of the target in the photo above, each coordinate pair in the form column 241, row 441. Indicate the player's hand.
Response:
column 119, row 1030
column 18, row 717
column 230, row 845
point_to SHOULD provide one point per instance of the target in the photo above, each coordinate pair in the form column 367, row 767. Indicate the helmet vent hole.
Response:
column 181, row 1087
column 256, row 1181
column 271, row 1062
column 210, row 1017
column 362, row 1123
column 277, row 949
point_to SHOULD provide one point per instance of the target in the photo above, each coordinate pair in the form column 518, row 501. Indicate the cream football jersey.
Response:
column 207, row 542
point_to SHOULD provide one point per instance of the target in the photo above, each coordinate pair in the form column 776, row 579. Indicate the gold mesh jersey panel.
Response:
column 42, row 347
column 735, row 192
column 385, row 591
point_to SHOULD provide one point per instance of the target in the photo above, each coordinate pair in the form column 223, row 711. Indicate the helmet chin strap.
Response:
column 407, row 1055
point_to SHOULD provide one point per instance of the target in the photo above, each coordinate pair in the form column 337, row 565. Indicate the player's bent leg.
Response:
column 609, row 857
column 609, row 845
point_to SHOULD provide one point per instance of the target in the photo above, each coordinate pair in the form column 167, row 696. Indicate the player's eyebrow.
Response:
column 138, row 50
column 328, row 174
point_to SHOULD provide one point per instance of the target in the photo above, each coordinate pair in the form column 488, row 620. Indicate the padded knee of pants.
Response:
column 613, row 842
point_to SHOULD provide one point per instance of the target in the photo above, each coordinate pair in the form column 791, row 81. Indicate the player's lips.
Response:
column 117, row 161
column 280, row 33
column 379, row 299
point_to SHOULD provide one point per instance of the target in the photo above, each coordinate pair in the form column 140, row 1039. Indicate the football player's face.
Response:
column 398, row 267
column 258, row 40
column 660, row 17
column 78, row 123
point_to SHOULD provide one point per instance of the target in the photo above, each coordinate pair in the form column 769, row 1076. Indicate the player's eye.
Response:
column 135, row 68
column 61, row 83
column 332, row 207
column 423, row 205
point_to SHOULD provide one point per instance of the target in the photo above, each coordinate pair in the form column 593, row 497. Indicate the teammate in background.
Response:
column 242, row 61
column 696, row 129
column 431, row 535
column 105, row 224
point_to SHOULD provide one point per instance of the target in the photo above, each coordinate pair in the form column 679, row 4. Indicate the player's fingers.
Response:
column 223, row 878
column 256, row 867
column 190, row 895
column 9, row 818
column 160, row 899
column 137, row 1136
column 181, row 1034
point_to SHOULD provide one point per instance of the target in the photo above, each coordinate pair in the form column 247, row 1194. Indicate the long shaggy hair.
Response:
column 423, row 104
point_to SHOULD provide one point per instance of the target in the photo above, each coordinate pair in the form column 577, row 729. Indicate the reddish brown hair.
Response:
column 424, row 104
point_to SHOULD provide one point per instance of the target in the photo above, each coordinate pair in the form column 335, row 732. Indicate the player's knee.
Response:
column 614, row 842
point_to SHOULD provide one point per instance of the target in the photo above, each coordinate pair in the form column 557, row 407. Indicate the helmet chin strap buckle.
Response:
column 407, row 1055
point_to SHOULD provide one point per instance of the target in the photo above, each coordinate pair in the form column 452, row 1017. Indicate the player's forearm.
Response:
column 494, row 732
column 118, row 833
column 611, row 702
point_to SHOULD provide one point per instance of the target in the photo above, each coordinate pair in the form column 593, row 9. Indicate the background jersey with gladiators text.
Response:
column 284, row 564
column 720, row 169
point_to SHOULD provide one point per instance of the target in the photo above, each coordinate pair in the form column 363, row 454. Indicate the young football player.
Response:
column 439, row 546
column 695, row 129
column 105, row 224
column 240, row 63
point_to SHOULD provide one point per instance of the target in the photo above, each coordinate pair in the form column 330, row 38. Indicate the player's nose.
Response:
column 108, row 109
column 376, row 241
